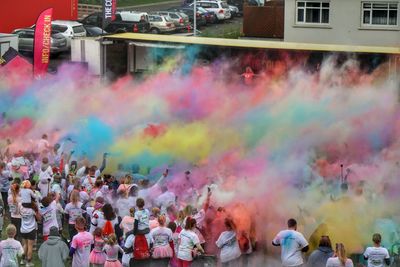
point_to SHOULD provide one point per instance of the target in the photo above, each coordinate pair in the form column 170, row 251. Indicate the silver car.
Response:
column 161, row 24
column 26, row 40
column 180, row 20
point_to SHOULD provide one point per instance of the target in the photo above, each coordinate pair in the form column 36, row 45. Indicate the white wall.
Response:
column 87, row 50
column 344, row 27
column 7, row 41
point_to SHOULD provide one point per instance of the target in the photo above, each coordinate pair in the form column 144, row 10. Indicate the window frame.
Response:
column 321, row 8
column 388, row 9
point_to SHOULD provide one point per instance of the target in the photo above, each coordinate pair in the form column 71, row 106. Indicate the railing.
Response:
column 85, row 9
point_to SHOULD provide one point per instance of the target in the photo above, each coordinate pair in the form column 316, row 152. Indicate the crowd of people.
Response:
column 96, row 219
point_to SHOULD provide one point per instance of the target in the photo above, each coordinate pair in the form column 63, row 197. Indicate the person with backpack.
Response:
column 229, row 245
column 54, row 251
column 141, row 230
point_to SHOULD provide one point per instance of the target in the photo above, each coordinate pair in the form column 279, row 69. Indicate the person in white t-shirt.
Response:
column 377, row 256
column 10, row 248
column 161, row 237
column 28, row 231
column 292, row 245
column 74, row 209
column 189, row 243
column 229, row 245
column 339, row 259
column 49, row 215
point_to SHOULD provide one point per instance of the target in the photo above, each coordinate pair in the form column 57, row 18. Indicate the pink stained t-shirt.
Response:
column 127, row 224
column 82, row 244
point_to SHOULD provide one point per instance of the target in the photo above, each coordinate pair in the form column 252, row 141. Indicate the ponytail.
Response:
column 341, row 253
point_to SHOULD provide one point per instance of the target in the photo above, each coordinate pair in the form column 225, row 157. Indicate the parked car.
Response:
column 94, row 31
column 70, row 29
column 220, row 8
column 239, row 4
column 181, row 20
column 200, row 18
column 210, row 16
column 161, row 24
column 125, row 21
column 234, row 11
column 26, row 39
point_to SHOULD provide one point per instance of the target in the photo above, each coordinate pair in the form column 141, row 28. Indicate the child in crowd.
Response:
column 81, row 244
column 10, row 249
column 13, row 204
column 28, row 197
column 112, row 249
column 97, row 256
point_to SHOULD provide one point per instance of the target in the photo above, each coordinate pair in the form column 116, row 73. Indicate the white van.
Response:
column 134, row 16
column 220, row 8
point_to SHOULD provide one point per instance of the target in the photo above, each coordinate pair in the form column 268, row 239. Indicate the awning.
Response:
column 157, row 45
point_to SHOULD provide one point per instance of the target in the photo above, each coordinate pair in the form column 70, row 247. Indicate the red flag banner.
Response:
column 42, row 43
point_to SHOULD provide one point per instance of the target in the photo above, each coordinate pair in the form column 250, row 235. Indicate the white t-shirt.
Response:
column 124, row 205
column 161, row 236
column 98, row 220
column 74, row 211
column 165, row 200
column 229, row 246
column 291, row 242
column 14, row 206
column 28, row 220
column 335, row 262
column 376, row 256
column 143, row 217
column 49, row 216
column 188, row 239
column 89, row 182
column 9, row 250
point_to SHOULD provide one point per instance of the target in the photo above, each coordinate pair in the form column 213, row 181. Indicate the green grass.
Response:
column 232, row 32
column 123, row 3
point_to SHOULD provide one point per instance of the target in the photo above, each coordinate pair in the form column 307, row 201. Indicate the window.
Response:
column 59, row 28
column 312, row 12
column 380, row 13
column 78, row 29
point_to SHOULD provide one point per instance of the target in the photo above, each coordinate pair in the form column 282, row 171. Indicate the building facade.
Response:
column 347, row 22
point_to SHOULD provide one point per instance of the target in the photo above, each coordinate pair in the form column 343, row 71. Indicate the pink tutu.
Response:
column 113, row 264
column 163, row 252
column 97, row 257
